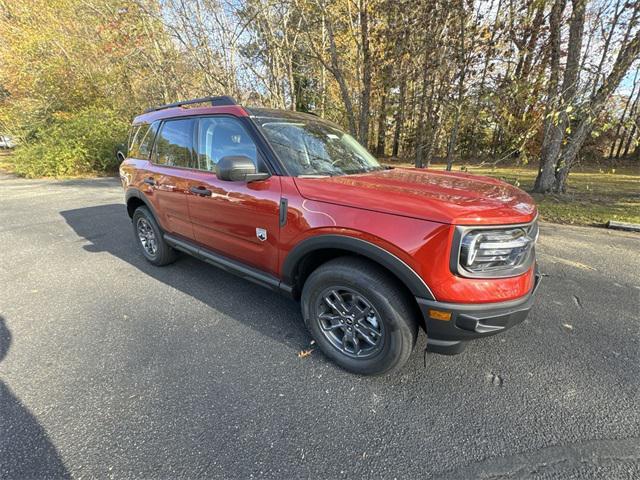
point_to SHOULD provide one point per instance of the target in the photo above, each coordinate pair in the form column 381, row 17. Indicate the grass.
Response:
column 593, row 197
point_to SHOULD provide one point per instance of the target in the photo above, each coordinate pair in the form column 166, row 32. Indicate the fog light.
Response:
column 439, row 315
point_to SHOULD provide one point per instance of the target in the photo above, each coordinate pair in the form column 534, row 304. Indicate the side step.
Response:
column 232, row 266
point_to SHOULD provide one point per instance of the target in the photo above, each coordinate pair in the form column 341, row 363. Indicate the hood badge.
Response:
column 261, row 233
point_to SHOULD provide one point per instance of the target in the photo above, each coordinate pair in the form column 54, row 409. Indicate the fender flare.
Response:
column 416, row 285
column 135, row 193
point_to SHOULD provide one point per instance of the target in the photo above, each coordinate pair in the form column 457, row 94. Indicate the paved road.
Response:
column 110, row 367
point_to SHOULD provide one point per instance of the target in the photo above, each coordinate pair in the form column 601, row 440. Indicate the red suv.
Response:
column 290, row 201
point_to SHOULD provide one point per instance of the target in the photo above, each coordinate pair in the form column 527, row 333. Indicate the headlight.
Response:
column 494, row 252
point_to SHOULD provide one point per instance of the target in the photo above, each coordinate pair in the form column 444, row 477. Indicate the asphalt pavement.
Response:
column 113, row 368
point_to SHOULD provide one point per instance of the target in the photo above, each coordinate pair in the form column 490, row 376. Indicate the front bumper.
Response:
column 469, row 321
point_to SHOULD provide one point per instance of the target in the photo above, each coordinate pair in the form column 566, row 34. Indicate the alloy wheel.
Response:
column 147, row 237
column 350, row 322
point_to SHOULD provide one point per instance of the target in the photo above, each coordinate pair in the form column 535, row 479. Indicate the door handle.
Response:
column 149, row 181
column 205, row 192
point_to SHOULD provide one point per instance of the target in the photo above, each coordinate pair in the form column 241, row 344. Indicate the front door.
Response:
column 236, row 219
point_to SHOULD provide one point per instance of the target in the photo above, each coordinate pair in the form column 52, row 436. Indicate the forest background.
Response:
column 542, row 93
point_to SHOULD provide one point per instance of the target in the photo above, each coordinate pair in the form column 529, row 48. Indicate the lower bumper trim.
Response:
column 469, row 321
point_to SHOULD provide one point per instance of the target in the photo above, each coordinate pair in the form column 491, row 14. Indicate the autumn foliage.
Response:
column 479, row 81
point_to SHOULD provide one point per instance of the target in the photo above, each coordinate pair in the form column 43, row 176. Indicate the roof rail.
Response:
column 215, row 102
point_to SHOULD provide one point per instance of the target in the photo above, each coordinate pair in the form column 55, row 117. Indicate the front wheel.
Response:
column 359, row 316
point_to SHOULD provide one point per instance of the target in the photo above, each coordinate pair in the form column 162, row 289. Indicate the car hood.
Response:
column 446, row 197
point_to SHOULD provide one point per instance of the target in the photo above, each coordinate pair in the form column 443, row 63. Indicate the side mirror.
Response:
column 238, row 168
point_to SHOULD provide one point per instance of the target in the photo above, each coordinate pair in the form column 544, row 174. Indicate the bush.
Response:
column 76, row 143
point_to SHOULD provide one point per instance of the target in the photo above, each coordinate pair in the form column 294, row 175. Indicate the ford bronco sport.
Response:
column 291, row 202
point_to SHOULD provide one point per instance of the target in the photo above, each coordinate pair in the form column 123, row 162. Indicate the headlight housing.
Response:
column 494, row 252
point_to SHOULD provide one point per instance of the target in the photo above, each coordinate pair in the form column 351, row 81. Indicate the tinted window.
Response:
column 141, row 138
column 174, row 143
column 137, row 133
column 147, row 141
column 222, row 136
column 132, row 136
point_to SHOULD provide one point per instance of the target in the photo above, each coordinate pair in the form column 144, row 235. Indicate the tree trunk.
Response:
column 628, row 54
column 462, row 65
column 452, row 139
column 363, row 131
column 632, row 134
column 382, row 123
column 552, row 133
column 421, row 114
column 632, row 114
column 399, row 118
column 622, row 119
column 336, row 70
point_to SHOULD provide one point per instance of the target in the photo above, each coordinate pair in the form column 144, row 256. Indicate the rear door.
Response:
column 171, row 157
column 236, row 219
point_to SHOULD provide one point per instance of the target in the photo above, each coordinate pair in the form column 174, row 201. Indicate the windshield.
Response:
column 311, row 147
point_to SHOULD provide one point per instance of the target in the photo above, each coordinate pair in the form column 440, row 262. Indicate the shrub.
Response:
column 76, row 143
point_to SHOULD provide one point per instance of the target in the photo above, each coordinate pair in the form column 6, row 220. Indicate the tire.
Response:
column 144, row 225
column 353, row 286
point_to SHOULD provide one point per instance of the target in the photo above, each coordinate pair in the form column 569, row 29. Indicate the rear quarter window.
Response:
column 141, row 140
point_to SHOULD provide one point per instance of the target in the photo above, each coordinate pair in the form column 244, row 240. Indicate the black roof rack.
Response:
column 215, row 102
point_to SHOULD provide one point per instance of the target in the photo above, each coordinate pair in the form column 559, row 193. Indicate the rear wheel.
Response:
column 154, row 248
column 359, row 316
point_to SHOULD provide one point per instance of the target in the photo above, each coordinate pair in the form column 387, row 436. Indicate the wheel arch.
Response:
column 313, row 252
column 134, row 199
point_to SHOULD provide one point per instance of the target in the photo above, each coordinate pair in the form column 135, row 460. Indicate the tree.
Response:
column 562, row 140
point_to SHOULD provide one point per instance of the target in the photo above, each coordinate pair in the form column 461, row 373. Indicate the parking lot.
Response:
column 110, row 367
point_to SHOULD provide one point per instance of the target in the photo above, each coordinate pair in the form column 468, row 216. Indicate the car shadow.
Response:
column 109, row 229
column 25, row 448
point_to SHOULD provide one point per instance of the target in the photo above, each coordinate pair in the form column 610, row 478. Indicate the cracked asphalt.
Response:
column 113, row 368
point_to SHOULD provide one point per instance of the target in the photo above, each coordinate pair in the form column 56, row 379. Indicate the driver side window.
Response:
column 220, row 137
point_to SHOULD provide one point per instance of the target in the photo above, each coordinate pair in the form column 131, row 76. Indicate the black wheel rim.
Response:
column 147, row 237
column 350, row 322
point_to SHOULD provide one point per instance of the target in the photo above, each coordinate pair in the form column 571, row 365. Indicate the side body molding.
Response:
column 400, row 269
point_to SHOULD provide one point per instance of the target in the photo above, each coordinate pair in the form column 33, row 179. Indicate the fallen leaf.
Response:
column 305, row 353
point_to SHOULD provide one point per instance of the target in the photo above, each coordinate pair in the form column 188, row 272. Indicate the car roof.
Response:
column 150, row 117
column 275, row 114
column 235, row 110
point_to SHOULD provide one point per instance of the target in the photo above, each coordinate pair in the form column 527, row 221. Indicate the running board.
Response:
column 232, row 266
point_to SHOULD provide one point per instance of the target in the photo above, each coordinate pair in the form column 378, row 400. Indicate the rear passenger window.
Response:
column 219, row 137
column 174, row 144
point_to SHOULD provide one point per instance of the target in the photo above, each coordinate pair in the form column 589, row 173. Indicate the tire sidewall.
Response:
column 143, row 212
column 398, row 336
